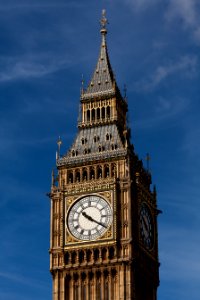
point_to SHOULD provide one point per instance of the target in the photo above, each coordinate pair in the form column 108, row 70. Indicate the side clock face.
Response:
column 146, row 227
column 89, row 218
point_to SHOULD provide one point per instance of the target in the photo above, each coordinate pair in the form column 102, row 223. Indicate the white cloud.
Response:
column 140, row 5
column 185, row 66
column 188, row 11
column 196, row 34
column 179, row 254
column 20, row 279
column 25, row 67
column 30, row 5
column 184, row 9
column 163, row 111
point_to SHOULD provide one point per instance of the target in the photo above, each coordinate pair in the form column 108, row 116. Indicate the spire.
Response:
column 103, row 81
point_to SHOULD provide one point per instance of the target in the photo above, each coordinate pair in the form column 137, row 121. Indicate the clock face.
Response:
column 89, row 218
column 146, row 227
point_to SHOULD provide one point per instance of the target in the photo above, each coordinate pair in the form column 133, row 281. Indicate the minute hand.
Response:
column 92, row 220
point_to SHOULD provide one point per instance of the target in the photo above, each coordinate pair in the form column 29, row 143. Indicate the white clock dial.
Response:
column 89, row 218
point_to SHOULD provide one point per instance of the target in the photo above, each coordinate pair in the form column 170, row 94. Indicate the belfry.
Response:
column 104, row 240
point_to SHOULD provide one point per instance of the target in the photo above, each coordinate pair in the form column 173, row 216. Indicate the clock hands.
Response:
column 92, row 220
column 145, row 223
column 87, row 216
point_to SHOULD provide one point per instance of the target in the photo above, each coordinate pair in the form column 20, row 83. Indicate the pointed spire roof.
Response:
column 103, row 82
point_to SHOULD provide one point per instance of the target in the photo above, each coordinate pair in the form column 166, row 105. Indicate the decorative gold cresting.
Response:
column 103, row 22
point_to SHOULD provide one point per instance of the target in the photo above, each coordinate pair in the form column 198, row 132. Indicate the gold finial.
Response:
column 82, row 84
column 59, row 143
column 103, row 22
column 148, row 159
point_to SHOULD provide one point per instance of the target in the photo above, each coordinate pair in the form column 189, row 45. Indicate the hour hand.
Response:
column 92, row 220
column 88, row 217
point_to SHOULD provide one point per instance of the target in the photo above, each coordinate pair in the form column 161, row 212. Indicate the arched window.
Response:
column 88, row 115
column 96, row 254
column 66, row 258
column 81, row 256
column 99, row 172
column 108, row 112
column 74, row 255
column 85, row 174
column 71, row 177
column 103, row 112
column 89, row 255
column 78, row 176
column 111, row 252
column 107, row 171
column 92, row 174
column 98, row 113
column 104, row 254
column 93, row 114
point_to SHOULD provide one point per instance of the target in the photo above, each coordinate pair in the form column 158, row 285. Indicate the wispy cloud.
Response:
column 20, row 279
column 162, row 111
column 186, row 11
column 141, row 5
column 185, row 66
column 180, row 252
column 25, row 67
column 191, row 144
column 29, row 4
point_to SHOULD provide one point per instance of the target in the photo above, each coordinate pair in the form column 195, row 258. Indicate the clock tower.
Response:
column 104, row 241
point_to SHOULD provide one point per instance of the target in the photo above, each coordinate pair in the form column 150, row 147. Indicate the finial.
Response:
column 59, row 143
column 82, row 84
column 103, row 22
column 52, row 178
column 148, row 159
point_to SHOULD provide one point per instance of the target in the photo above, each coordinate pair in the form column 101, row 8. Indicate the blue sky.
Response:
column 45, row 47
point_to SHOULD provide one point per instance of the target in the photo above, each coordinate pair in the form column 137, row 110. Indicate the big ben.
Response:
column 104, row 241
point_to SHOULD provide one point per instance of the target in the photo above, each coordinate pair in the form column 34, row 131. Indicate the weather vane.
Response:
column 103, row 20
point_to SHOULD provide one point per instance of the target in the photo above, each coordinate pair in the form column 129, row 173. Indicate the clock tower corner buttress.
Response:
column 104, row 240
